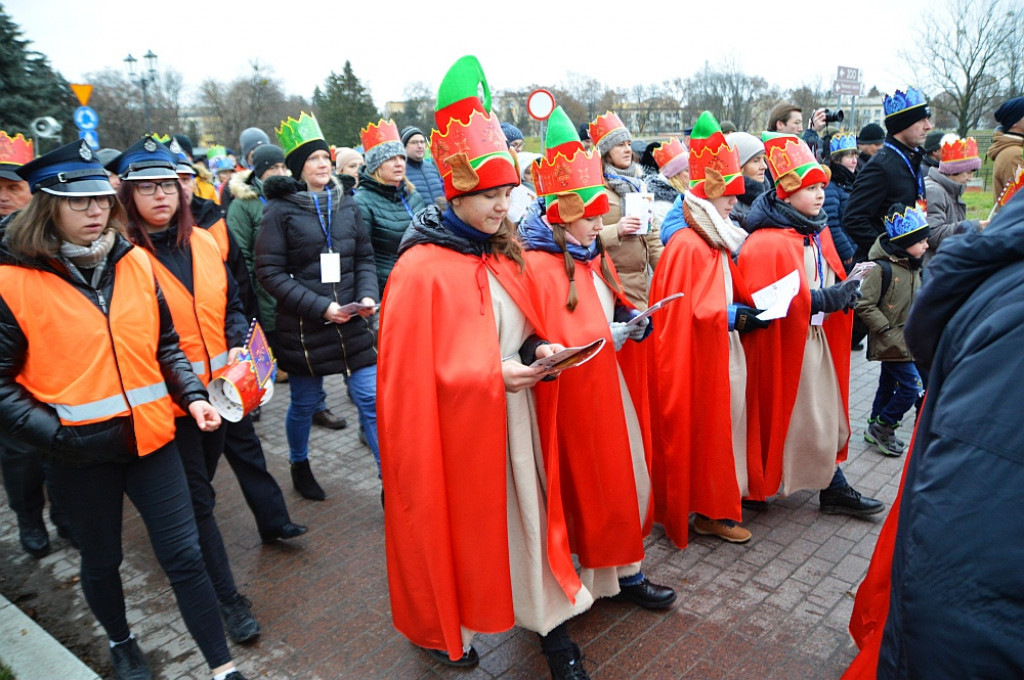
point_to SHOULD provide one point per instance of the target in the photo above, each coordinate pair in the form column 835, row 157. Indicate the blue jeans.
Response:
column 306, row 394
column 899, row 387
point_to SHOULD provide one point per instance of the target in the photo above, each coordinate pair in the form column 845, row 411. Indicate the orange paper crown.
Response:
column 959, row 150
column 666, row 151
column 378, row 133
column 16, row 151
column 604, row 125
column 787, row 156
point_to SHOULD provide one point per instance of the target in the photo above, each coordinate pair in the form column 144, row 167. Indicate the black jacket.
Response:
column 288, row 250
column 885, row 180
column 205, row 214
column 957, row 598
column 25, row 419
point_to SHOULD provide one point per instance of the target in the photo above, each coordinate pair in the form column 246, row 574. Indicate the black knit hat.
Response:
column 872, row 133
column 933, row 141
column 297, row 158
column 408, row 132
column 185, row 143
column 1010, row 112
column 264, row 157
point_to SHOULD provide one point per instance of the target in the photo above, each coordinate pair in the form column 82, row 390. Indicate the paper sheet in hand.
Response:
column 774, row 299
column 356, row 307
column 640, row 205
column 653, row 308
column 570, row 356
column 860, row 270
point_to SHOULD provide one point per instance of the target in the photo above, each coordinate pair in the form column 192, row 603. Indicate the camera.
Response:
column 836, row 117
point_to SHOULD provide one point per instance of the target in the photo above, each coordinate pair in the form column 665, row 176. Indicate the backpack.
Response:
column 886, row 278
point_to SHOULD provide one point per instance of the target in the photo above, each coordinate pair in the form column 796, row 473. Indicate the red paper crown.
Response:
column 666, row 151
column 604, row 125
column 959, row 150
column 16, row 151
column 576, row 169
column 375, row 134
column 484, row 145
column 1012, row 187
column 713, row 153
column 786, row 154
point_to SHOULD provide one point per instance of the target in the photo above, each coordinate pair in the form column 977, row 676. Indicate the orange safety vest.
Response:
column 219, row 232
column 199, row 316
column 88, row 367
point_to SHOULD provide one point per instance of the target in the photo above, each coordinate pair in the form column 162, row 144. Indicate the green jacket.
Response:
column 245, row 217
column 387, row 212
column 886, row 313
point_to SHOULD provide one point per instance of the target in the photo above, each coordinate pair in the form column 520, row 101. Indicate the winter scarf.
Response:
column 620, row 181
column 704, row 219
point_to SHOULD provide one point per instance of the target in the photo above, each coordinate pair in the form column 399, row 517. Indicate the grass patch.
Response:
column 979, row 204
column 6, row 673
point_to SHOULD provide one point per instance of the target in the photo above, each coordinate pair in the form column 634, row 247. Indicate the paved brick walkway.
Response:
column 777, row 607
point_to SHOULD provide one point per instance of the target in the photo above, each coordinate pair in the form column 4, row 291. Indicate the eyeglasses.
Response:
column 81, row 203
column 168, row 186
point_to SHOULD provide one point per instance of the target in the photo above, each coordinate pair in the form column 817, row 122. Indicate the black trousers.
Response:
column 25, row 477
column 244, row 453
column 200, row 452
column 93, row 498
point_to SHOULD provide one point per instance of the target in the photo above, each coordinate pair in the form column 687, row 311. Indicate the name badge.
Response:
column 330, row 267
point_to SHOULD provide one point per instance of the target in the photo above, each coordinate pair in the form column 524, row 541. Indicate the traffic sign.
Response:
column 848, row 73
column 842, row 87
column 86, row 118
column 82, row 92
column 90, row 137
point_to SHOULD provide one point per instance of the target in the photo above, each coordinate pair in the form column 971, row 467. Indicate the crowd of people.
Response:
column 548, row 352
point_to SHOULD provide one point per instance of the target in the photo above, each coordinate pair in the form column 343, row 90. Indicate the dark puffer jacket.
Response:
column 288, row 250
column 27, row 421
column 837, row 195
column 387, row 211
column 425, row 176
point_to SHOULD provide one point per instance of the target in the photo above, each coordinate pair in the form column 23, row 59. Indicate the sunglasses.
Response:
column 81, row 203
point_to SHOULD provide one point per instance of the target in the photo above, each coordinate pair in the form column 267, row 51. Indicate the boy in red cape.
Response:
column 699, row 380
column 799, row 382
column 605, row 479
column 476, row 539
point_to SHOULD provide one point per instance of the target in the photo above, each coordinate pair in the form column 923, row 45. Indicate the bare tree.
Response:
column 120, row 104
column 724, row 90
column 963, row 51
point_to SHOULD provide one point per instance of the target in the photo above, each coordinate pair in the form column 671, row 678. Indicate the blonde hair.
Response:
column 34, row 232
column 409, row 187
column 677, row 183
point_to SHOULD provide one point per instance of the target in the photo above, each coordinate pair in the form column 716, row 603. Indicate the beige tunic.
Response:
column 605, row 582
column 737, row 388
column 538, row 601
column 818, row 427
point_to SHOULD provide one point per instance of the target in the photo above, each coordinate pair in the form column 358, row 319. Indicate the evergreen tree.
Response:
column 29, row 88
column 343, row 106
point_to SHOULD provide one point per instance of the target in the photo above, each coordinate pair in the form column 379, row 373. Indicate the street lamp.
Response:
column 143, row 80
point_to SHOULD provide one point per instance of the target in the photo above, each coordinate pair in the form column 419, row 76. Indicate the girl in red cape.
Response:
column 799, row 383
column 475, row 536
column 601, row 453
column 699, row 380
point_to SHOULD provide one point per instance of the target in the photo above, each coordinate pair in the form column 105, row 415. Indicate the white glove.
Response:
column 636, row 331
column 620, row 333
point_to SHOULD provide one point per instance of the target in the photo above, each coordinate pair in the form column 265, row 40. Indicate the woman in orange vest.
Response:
column 208, row 317
column 90, row 374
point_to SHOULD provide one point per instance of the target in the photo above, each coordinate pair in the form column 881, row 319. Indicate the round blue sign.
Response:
column 86, row 118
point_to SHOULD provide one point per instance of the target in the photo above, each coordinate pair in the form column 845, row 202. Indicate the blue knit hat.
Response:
column 512, row 133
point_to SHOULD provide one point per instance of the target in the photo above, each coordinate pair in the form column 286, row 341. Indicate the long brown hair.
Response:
column 137, row 232
column 559, row 233
column 505, row 242
column 34, row 232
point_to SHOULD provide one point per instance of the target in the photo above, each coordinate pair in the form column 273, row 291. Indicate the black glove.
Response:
column 843, row 295
column 746, row 319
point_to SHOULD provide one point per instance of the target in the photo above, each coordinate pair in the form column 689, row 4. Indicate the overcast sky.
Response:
column 303, row 42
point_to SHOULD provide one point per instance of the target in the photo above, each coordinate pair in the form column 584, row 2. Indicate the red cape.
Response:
column 694, row 467
column 442, row 425
column 598, row 488
column 775, row 354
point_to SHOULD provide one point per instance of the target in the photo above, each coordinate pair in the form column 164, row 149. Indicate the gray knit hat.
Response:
column 376, row 156
column 408, row 132
column 607, row 131
column 747, row 144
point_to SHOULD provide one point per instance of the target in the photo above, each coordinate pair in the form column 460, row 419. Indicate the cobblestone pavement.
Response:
column 777, row 607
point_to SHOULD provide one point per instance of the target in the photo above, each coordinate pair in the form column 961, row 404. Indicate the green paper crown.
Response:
column 463, row 80
column 215, row 152
column 294, row 133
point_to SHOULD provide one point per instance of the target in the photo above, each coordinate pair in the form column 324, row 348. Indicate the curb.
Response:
column 32, row 653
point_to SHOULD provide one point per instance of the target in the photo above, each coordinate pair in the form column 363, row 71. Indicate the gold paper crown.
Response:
column 959, row 150
column 294, row 133
column 16, row 151
column 377, row 133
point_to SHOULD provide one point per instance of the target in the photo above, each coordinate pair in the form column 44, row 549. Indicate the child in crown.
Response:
column 799, row 375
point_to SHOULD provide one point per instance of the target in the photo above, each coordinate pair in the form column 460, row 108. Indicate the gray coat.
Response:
column 947, row 211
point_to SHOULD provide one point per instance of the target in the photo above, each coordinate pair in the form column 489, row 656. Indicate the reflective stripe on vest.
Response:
column 199, row 316
column 87, row 366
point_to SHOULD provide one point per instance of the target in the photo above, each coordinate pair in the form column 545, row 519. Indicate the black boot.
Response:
column 305, row 483
column 567, row 665
column 128, row 662
column 35, row 540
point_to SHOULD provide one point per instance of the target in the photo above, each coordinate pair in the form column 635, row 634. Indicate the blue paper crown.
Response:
column 912, row 219
column 842, row 142
column 901, row 101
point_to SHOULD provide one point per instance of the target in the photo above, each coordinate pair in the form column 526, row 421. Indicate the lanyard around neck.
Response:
column 324, row 226
column 918, row 177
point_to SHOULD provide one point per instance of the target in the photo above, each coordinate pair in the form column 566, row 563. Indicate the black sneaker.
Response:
column 848, row 501
column 567, row 665
column 129, row 664
column 239, row 621
column 234, row 675
column 469, row 659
